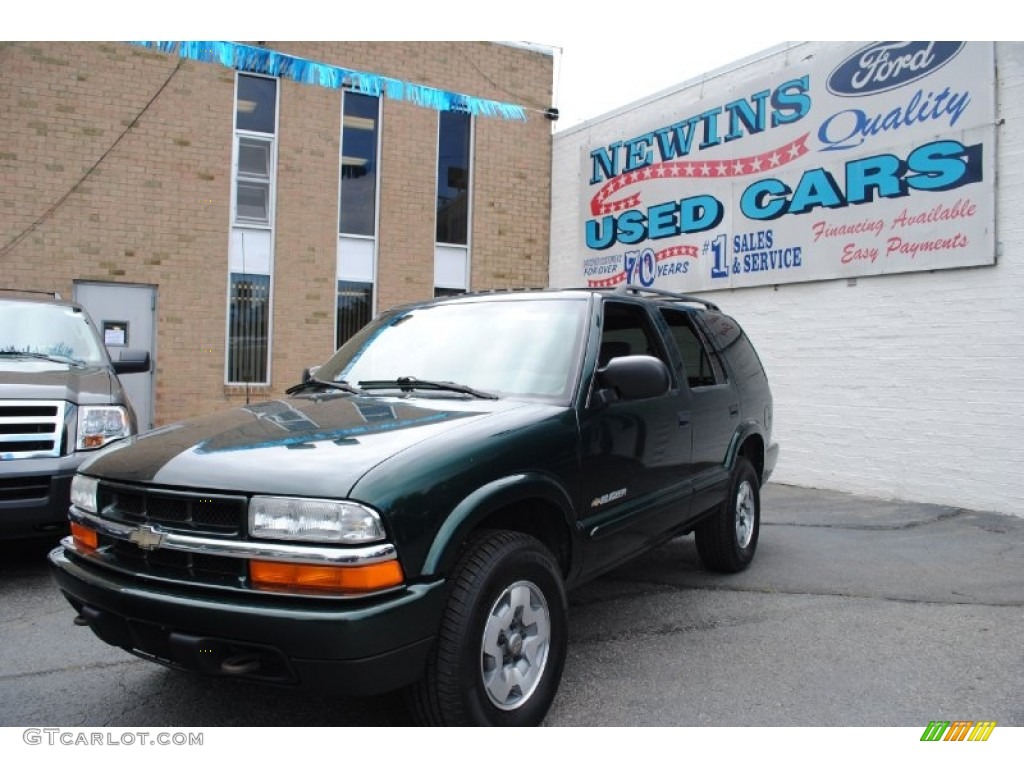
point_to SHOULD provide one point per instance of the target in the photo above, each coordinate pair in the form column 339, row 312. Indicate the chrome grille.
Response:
column 179, row 566
column 31, row 429
column 217, row 514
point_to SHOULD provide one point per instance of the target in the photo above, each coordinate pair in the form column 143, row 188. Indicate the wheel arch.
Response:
column 748, row 442
column 531, row 503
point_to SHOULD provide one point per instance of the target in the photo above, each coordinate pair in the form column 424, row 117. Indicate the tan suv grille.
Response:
column 31, row 429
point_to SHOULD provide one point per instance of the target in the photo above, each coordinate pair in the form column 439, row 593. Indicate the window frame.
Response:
column 471, row 132
column 343, row 237
column 445, row 247
column 349, row 286
column 718, row 368
column 376, row 164
column 656, row 338
column 241, row 225
column 240, row 134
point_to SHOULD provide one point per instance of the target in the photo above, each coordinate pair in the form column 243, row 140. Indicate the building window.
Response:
column 355, row 308
column 248, row 325
column 357, row 213
column 440, row 292
column 453, row 178
column 358, row 207
column 250, row 253
column 454, row 182
column 256, row 104
column 252, row 190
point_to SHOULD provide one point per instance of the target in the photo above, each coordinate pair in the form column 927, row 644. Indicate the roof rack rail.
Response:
column 667, row 295
column 53, row 294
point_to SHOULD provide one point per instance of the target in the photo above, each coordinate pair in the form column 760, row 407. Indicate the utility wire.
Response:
column 532, row 106
column 53, row 208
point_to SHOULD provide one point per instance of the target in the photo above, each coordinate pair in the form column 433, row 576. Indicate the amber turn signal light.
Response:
column 85, row 538
column 343, row 579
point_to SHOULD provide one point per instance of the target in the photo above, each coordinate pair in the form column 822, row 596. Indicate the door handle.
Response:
column 734, row 409
column 684, row 419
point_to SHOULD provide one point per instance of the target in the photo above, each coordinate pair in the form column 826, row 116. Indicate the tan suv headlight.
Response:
column 100, row 424
column 320, row 520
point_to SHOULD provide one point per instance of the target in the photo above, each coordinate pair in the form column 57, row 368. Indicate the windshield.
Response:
column 52, row 331
column 510, row 348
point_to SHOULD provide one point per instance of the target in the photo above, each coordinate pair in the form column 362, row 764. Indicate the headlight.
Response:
column 344, row 522
column 83, row 492
column 99, row 424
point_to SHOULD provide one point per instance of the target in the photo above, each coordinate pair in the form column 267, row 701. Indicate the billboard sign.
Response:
column 866, row 159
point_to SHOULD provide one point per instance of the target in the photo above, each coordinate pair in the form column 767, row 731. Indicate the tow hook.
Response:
column 242, row 664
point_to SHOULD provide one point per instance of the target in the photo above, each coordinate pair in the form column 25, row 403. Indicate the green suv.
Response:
column 412, row 514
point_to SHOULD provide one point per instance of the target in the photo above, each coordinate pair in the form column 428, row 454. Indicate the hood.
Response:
column 316, row 446
column 32, row 379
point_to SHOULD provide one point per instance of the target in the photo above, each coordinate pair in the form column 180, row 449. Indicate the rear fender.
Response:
column 744, row 433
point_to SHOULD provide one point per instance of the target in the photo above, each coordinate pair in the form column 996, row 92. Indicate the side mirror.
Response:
column 309, row 373
column 130, row 361
column 636, row 377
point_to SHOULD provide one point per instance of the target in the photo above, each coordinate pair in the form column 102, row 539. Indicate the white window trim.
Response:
column 375, row 237
column 234, row 225
column 272, row 163
column 468, row 247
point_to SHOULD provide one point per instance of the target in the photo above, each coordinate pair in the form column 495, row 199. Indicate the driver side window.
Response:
column 627, row 330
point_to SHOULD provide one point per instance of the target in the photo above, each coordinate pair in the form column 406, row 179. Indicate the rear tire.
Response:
column 726, row 541
column 503, row 638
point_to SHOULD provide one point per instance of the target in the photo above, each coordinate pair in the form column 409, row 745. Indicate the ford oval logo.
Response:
column 883, row 66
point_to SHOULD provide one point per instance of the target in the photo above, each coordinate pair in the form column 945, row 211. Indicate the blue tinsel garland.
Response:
column 248, row 58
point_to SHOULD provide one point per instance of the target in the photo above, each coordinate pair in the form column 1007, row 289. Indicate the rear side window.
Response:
column 732, row 342
column 701, row 365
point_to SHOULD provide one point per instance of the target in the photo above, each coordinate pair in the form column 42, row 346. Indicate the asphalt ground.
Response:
column 855, row 612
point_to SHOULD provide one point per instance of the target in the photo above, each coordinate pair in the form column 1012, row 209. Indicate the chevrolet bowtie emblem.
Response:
column 147, row 537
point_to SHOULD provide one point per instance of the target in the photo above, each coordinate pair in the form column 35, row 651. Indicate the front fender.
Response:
column 488, row 500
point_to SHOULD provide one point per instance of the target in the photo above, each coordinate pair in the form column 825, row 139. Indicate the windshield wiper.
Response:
column 315, row 383
column 411, row 382
column 42, row 356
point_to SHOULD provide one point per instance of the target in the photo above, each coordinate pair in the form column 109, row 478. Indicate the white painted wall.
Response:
column 903, row 386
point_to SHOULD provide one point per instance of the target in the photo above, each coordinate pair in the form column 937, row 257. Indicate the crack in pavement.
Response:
column 663, row 630
column 909, row 525
column 660, row 587
column 58, row 670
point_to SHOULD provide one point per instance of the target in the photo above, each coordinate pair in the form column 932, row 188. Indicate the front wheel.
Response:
column 727, row 540
column 503, row 637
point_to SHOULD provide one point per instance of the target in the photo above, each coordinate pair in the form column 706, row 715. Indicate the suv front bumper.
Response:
column 35, row 495
column 353, row 647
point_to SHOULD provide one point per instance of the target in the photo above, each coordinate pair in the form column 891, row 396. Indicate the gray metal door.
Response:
column 125, row 316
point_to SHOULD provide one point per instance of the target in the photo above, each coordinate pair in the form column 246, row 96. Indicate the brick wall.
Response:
column 156, row 210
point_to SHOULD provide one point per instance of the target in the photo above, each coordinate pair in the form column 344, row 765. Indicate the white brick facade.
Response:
column 900, row 386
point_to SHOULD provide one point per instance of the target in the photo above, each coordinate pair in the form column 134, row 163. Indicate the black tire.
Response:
column 506, row 596
column 726, row 541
